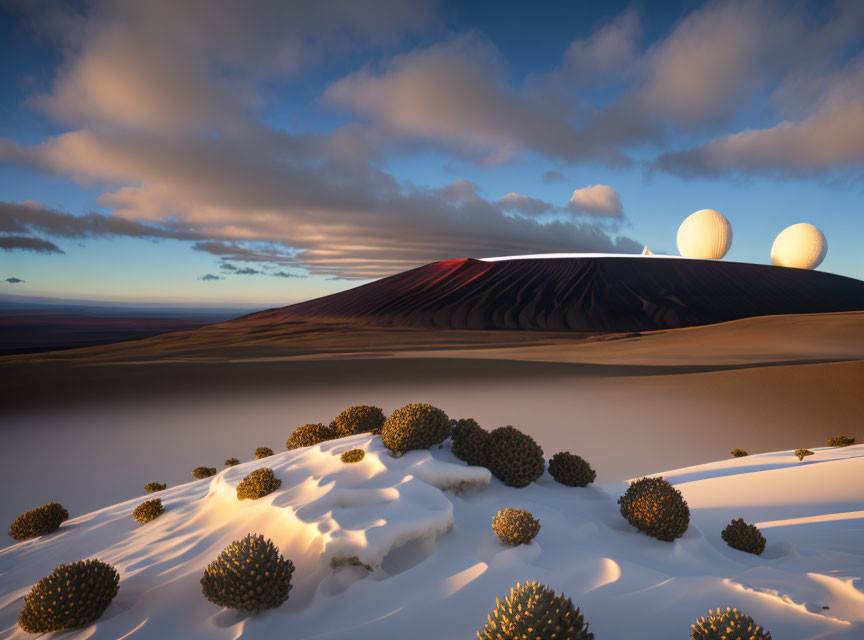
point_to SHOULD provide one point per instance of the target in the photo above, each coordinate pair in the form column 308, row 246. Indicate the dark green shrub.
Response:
column 744, row 537
column 738, row 453
column 571, row 470
column 147, row 511
column 249, row 575
column 73, row 596
column 415, row 426
column 360, row 418
column 534, row 611
column 39, row 521
column 513, row 457
column 469, row 441
column 153, row 487
column 802, row 453
column 232, row 462
column 263, row 452
column 727, row 625
column 515, row 526
column 353, row 455
column 199, row 473
column 656, row 508
column 309, row 435
column 840, row 441
column 258, row 484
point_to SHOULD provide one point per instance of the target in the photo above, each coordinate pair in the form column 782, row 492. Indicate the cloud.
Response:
column 165, row 67
column 14, row 280
column 285, row 274
column 207, row 277
column 190, row 161
column 597, row 200
column 524, row 204
column 248, row 271
column 553, row 176
column 606, row 53
column 28, row 243
column 455, row 93
column 831, row 138
column 34, row 218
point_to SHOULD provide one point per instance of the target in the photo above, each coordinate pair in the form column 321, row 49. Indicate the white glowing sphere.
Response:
column 705, row 234
column 801, row 246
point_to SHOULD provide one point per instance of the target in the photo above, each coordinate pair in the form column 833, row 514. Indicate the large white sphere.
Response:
column 705, row 234
column 801, row 246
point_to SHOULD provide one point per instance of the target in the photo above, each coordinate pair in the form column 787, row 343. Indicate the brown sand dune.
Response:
column 586, row 294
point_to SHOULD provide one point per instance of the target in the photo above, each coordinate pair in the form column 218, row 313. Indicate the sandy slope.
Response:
column 437, row 567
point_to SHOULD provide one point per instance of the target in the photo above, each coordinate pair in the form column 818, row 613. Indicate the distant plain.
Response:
column 89, row 427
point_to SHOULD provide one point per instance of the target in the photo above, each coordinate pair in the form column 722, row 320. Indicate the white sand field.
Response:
column 422, row 524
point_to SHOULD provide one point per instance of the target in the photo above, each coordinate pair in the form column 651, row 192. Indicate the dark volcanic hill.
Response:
column 590, row 294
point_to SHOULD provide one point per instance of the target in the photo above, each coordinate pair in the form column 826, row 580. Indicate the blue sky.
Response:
column 144, row 146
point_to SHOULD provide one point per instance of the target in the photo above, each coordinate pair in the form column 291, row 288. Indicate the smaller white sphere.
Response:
column 704, row 234
column 801, row 246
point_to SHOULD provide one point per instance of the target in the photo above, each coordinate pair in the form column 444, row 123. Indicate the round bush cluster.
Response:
column 147, row 511
column 415, row 426
column 840, row 441
column 358, row 419
column 469, row 441
column 73, row 596
column 199, row 473
column 515, row 526
column 656, row 508
column 534, row 611
column 744, row 537
column 153, row 487
column 571, row 470
column 232, row 462
column 802, row 453
column 258, row 484
column 353, row 455
column 738, row 453
column 249, row 575
column 263, row 452
column 309, row 435
column 727, row 625
column 39, row 521
column 513, row 457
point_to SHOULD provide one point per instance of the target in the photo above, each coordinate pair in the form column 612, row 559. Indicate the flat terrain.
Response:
column 103, row 421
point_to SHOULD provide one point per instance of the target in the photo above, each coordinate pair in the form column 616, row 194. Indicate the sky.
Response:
column 267, row 152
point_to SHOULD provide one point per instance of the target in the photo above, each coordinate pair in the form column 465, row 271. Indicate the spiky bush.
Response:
column 469, row 441
column 513, row 457
column 353, row 455
column 232, row 462
column 727, row 625
column 147, row 511
column 656, row 508
column 200, row 473
column 515, row 526
column 744, row 537
column 533, row 611
column 802, row 453
column 415, row 426
column 360, row 418
column 153, row 487
column 249, row 575
column 310, row 434
column 39, row 521
column 263, row 452
column 840, row 441
column 73, row 596
column 738, row 453
column 258, row 484
column 571, row 470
